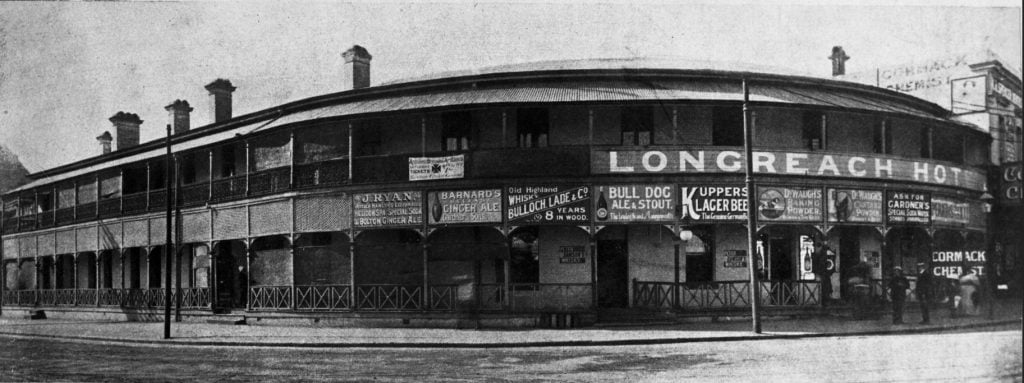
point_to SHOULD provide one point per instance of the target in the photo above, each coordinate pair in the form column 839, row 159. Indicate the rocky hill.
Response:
column 12, row 173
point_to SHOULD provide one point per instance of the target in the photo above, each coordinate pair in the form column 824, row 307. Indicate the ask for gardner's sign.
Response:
column 605, row 161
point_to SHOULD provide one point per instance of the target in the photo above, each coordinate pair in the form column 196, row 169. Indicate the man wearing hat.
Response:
column 924, row 289
column 898, row 287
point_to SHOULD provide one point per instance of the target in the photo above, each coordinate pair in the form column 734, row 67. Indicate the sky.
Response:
column 66, row 68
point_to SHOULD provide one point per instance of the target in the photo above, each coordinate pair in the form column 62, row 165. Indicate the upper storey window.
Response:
column 532, row 126
column 882, row 138
column 813, row 130
column 637, row 125
column 456, row 129
column 727, row 126
column 366, row 137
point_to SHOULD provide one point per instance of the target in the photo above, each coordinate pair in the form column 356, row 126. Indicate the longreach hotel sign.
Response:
column 784, row 163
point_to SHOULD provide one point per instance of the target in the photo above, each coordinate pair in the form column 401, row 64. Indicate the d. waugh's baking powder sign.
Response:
column 787, row 163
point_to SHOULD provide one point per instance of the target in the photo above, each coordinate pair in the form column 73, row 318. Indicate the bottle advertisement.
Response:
column 635, row 203
column 464, row 206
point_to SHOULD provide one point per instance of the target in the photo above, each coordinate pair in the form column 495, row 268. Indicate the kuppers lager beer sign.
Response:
column 635, row 203
column 714, row 203
column 789, row 204
column 554, row 204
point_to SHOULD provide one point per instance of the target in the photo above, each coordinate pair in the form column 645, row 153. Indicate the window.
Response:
column 187, row 167
column 228, row 166
column 727, row 126
column 524, row 262
column 882, row 138
column 134, row 180
column 456, row 129
column 157, row 175
column 813, row 131
column 637, row 125
column 45, row 200
column 532, row 125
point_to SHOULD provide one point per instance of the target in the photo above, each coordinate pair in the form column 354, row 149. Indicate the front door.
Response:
column 612, row 274
column 849, row 255
column 230, row 278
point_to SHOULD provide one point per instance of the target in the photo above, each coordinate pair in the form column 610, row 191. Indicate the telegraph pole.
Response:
column 167, row 244
column 748, row 143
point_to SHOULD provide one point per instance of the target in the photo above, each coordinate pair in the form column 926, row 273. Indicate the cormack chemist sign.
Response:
column 783, row 163
column 397, row 208
column 950, row 263
column 714, row 203
column 464, row 206
column 850, row 205
column 907, row 207
column 635, row 203
column 548, row 204
column 789, row 204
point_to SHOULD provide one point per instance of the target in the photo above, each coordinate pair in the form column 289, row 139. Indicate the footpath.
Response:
column 13, row 324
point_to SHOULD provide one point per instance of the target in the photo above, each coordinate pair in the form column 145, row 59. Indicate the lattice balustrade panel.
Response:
column 86, row 237
column 323, row 213
column 66, row 242
column 270, row 297
column 109, row 235
column 27, row 247
column 229, row 223
column 270, row 218
column 195, row 227
column 136, row 233
column 323, row 298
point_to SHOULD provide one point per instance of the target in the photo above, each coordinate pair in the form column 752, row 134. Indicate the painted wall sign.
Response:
column 572, row 254
column 908, row 207
column 605, row 161
column 949, row 211
column 1006, row 93
column 548, row 204
column 735, row 259
column 851, row 205
column 789, row 204
column 464, row 206
column 951, row 263
column 398, row 208
column 1010, row 184
column 437, row 168
column 714, row 203
column 635, row 203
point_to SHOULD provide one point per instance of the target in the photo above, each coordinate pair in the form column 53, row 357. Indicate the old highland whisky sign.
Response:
column 783, row 163
column 548, row 204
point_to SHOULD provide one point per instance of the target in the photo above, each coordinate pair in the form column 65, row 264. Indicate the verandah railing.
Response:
column 724, row 294
column 136, row 298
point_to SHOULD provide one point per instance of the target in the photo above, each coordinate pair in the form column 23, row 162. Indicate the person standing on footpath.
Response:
column 898, row 287
column 925, row 281
column 819, row 266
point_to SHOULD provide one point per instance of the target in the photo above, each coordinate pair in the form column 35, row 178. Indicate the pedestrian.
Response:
column 925, row 284
column 819, row 266
column 898, row 287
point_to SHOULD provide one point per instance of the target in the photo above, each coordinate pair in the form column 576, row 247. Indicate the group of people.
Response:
column 962, row 294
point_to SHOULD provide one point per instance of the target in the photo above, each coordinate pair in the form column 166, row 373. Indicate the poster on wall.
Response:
column 855, row 206
column 383, row 209
column 436, row 168
column 908, row 207
column 714, row 203
column 806, row 257
column 950, row 212
column 789, row 204
column 572, row 254
column 635, row 203
column 548, row 204
column 464, row 206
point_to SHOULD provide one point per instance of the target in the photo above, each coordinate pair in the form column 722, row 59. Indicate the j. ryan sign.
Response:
column 785, row 163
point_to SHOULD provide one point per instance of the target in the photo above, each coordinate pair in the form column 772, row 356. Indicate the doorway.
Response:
column 231, row 278
column 849, row 255
column 780, row 250
column 612, row 274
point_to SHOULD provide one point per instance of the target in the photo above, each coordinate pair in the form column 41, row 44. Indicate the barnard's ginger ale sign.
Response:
column 635, row 203
column 464, row 206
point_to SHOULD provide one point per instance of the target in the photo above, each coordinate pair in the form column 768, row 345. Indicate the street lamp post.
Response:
column 987, row 201
column 748, row 144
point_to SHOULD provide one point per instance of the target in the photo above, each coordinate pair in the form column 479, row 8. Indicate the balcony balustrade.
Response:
column 270, row 181
column 110, row 207
column 230, row 188
column 195, row 194
column 85, row 212
column 45, row 219
column 65, row 216
column 134, row 203
column 321, row 174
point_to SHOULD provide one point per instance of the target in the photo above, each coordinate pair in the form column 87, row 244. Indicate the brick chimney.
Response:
column 838, row 58
column 105, row 140
column 220, row 98
column 126, row 130
column 356, row 70
column 179, row 110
